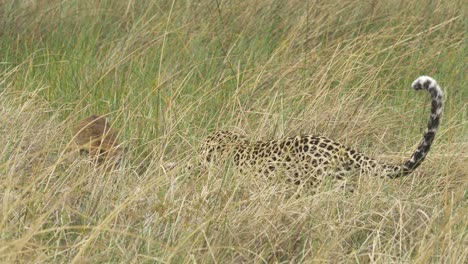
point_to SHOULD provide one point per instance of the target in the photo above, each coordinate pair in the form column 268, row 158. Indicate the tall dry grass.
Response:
column 168, row 73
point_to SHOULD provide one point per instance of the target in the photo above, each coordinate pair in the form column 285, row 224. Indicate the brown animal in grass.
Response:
column 96, row 139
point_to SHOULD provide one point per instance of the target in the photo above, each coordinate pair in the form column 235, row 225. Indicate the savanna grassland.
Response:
column 167, row 73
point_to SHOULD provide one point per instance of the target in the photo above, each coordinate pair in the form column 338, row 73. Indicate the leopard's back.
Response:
column 301, row 159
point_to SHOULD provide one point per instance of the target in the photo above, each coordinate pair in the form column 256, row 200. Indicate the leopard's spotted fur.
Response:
column 309, row 158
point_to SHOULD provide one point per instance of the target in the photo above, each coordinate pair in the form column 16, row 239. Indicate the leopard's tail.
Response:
column 429, row 84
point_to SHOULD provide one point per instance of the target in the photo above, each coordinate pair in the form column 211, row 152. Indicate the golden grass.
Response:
column 169, row 73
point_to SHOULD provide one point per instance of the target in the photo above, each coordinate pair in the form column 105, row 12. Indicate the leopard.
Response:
column 309, row 159
column 95, row 139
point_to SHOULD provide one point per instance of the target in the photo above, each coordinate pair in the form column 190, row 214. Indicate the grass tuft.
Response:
column 169, row 72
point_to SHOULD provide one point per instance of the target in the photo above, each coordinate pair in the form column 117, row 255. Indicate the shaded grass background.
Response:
column 168, row 73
